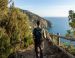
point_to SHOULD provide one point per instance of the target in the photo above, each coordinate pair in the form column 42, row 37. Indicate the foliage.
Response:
column 3, row 8
column 71, row 32
column 3, row 4
column 15, row 29
column 4, row 44
column 71, row 49
column 72, row 24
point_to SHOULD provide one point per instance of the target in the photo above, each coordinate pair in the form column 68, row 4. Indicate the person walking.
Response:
column 38, row 35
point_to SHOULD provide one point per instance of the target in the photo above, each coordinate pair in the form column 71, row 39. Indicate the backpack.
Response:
column 37, row 33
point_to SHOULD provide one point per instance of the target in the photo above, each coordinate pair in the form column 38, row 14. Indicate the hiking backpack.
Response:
column 37, row 33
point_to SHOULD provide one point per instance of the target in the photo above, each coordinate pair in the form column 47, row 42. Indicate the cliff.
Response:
column 33, row 19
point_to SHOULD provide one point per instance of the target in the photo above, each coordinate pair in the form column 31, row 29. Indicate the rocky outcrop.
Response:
column 33, row 19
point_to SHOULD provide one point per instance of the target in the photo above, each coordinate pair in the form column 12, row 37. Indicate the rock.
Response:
column 33, row 19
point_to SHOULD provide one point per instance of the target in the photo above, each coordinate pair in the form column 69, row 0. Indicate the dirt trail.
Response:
column 50, row 51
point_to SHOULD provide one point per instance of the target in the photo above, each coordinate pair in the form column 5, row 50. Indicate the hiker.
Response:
column 38, row 35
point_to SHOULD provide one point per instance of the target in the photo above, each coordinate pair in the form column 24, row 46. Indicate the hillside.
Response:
column 33, row 19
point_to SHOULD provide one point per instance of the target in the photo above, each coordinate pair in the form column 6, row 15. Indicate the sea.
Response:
column 60, row 25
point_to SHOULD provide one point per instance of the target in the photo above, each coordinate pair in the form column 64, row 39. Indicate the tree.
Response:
column 14, row 29
column 72, row 23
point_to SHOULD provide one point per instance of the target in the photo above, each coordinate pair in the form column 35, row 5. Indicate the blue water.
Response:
column 59, row 25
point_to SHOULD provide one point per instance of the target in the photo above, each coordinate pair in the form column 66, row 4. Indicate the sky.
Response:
column 49, row 8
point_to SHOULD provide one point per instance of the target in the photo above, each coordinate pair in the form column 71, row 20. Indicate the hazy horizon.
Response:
column 50, row 8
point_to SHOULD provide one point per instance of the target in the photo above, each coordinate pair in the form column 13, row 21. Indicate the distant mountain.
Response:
column 33, row 19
